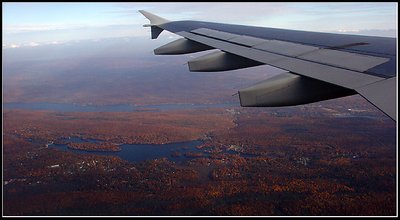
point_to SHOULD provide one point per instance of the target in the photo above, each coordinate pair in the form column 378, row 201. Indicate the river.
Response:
column 73, row 107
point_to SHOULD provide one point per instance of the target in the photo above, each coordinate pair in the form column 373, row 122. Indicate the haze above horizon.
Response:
column 34, row 24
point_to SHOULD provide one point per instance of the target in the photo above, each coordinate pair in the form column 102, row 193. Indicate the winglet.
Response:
column 154, row 19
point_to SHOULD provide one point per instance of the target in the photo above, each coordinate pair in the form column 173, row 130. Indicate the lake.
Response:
column 141, row 152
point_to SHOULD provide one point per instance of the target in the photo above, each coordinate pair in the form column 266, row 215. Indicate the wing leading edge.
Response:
column 319, row 66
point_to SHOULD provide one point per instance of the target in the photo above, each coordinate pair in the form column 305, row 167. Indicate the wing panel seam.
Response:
column 281, row 61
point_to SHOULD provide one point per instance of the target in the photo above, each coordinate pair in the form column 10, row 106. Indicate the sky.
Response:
column 35, row 24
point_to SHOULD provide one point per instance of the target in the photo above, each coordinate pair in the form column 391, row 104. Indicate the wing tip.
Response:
column 154, row 19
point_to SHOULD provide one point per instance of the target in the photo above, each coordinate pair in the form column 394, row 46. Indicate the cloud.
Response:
column 311, row 16
column 216, row 12
column 14, row 45
column 123, row 19
column 54, row 35
column 33, row 44
column 23, row 28
column 371, row 32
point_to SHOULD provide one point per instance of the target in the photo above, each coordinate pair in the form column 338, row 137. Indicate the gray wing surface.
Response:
column 320, row 66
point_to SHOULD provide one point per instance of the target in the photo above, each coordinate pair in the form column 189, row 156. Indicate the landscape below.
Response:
column 304, row 161
column 335, row 157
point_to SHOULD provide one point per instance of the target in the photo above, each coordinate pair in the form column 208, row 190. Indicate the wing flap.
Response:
column 285, row 48
column 382, row 94
column 353, row 61
column 333, row 57
column 248, row 40
column 215, row 34
column 327, row 73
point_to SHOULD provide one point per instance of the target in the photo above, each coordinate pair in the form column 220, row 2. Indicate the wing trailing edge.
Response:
column 382, row 95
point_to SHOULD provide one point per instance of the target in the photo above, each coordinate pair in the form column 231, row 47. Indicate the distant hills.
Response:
column 115, row 71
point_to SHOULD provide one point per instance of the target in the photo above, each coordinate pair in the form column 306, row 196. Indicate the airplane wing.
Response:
column 319, row 66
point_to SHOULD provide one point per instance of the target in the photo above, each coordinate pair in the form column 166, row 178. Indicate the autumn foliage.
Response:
column 253, row 163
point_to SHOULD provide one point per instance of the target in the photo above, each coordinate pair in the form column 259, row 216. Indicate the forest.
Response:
column 308, row 160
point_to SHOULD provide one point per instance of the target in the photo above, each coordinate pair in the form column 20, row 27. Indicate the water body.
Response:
column 176, row 152
column 363, row 117
column 66, row 107
column 141, row 152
